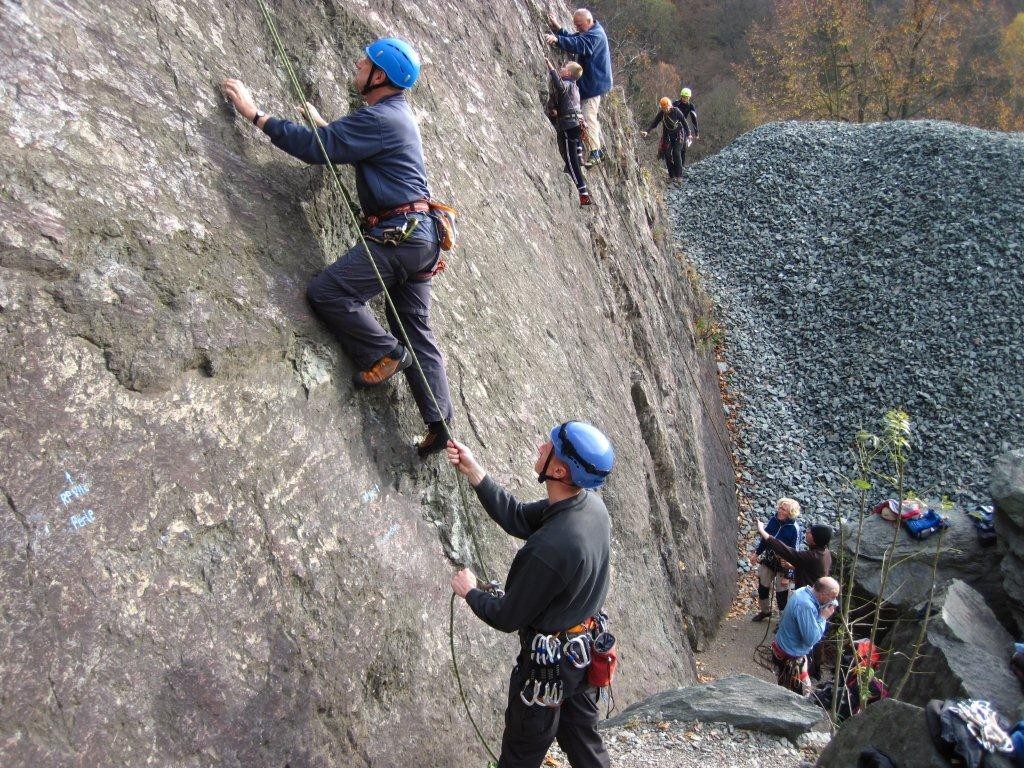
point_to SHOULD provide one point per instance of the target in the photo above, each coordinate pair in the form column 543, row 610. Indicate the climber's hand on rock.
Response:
column 239, row 95
column 463, row 582
column 551, row 39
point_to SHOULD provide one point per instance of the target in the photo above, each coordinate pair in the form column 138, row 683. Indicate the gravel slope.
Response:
column 858, row 268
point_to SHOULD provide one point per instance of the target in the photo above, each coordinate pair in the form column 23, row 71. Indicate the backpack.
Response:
column 924, row 526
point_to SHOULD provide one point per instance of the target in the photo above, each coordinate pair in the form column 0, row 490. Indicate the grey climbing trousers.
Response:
column 338, row 296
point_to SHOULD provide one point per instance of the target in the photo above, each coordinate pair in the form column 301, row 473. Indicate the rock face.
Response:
column 215, row 552
column 893, row 727
column 910, row 577
column 741, row 700
column 966, row 654
column 858, row 267
column 1007, row 489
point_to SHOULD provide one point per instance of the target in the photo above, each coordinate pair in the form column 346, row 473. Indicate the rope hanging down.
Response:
column 283, row 55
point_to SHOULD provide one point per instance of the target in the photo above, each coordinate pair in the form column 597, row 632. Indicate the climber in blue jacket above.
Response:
column 589, row 46
column 382, row 142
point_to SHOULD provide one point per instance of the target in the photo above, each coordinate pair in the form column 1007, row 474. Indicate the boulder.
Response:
column 743, row 701
column 910, row 577
column 965, row 655
column 893, row 727
column 1007, row 489
column 1007, row 486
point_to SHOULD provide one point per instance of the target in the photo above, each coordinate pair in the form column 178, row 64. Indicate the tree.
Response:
column 810, row 61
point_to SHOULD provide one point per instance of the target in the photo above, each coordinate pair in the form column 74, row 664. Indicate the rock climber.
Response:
column 685, row 105
column 555, row 588
column 589, row 44
column 382, row 141
column 563, row 109
column 674, row 133
column 773, row 574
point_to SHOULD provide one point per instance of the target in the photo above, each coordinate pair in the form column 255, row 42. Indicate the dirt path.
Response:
column 732, row 650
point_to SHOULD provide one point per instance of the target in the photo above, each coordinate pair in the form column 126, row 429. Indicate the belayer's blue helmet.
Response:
column 397, row 59
column 585, row 450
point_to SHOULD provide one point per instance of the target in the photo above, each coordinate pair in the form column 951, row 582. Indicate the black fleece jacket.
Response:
column 560, row 576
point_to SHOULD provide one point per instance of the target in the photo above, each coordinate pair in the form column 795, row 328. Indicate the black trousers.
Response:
column 570, row 147
column 675, row 156
column 529, row 731
column 339, row 294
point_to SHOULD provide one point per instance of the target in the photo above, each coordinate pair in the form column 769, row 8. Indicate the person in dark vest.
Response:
column 555, row 588
column 773, row 574
column 674, row 134
column 382, row 142
column 685, row 105
column 589, row 44
column 563, row 109
column 809, row 564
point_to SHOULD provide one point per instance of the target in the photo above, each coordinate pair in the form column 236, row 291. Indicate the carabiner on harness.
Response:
column 547, row 650
column 577, row 650
column 394, row 235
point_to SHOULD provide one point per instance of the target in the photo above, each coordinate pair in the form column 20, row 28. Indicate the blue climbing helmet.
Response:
column 585, row 450
column 397, row 59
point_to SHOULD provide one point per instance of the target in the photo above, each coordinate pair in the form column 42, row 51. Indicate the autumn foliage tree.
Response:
column 859, row 60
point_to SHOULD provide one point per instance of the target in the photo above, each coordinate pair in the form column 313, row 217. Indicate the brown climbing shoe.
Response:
column 761, row 616
column 382, row 370
column 434, row 441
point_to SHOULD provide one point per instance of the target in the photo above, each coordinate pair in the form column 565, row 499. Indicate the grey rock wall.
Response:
column 1007, row 489
column 214, row 551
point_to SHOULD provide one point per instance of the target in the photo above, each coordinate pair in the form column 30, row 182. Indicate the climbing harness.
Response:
column 352, row 209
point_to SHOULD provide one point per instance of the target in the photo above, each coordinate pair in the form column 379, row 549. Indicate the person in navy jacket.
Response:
column 382, row 142
column 774, row 574
column 589, row 46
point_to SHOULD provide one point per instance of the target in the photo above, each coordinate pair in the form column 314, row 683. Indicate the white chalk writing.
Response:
column 78, row 522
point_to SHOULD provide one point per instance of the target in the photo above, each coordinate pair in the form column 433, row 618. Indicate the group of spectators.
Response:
column 805, row 593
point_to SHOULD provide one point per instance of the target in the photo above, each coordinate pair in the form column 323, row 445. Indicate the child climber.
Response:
column 563, row 109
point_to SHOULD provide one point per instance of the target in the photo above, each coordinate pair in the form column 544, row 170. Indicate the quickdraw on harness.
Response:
column 543, row 684
column 589, row 645
column 444, row 217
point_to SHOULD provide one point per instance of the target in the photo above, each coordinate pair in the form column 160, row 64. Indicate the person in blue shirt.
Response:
column 801, row 627
column 589, row 45
column 773, row 574
column 382, row 142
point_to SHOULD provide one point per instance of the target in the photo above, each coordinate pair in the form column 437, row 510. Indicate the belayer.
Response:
column 553, row 596
column 674, row 135
column 382, row 142
column 563, row 110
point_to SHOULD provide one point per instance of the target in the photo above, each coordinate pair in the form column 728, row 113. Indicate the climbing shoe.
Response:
column 585, row 199
column 434, row 441
column 761, row 616
column 595, row 157
column 383, row 369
